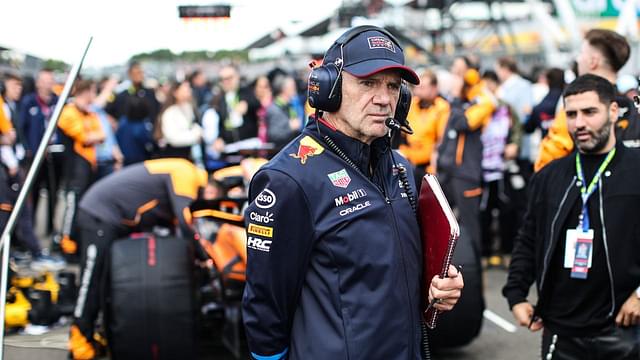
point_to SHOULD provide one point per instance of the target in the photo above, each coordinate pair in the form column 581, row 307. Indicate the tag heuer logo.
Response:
column 340, row 178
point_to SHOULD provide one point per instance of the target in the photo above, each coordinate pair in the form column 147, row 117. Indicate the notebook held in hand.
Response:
column 440, row 231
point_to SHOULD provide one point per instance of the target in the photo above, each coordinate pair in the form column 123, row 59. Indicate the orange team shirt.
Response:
column 77, row 125
column 557, row 143
column 5, row 122
column 480, row 113
column 428, row 126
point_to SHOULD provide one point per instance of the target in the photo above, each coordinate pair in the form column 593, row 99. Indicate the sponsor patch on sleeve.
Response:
column 258, row 244
column 266, row 199
column 264, row 231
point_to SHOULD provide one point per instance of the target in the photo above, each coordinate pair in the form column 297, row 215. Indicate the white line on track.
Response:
column 496, row 319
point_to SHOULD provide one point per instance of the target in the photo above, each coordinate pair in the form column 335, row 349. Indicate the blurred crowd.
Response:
column 484, row 161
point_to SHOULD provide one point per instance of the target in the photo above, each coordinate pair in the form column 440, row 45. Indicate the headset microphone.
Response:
column 393, row 124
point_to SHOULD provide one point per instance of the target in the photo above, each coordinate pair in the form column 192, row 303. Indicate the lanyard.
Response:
column 44, row 108
column 586, row 191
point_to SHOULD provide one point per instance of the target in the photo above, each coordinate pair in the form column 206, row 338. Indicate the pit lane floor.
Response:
column 499, row 339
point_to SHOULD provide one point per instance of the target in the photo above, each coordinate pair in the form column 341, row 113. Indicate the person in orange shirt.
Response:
column 81, row 132
column 603, row 53
column 135, row 199
column 427, row 117
column 7, row 132
column 459, row 162
column 7, row 136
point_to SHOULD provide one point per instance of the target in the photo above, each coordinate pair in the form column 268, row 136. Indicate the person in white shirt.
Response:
column 176, row 128
column 518, row 93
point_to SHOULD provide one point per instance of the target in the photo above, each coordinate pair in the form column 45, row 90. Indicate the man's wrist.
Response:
column 638, row 293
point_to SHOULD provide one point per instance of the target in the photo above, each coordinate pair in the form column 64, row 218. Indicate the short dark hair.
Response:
column 133, row 64
column 555, row 78
column 82, row 85
column 508, row 63
column 10, row 75
column 468, row 61
column 278, row 83
column 589, row 82
column 429, row 74
column 193, row 75
column 613, row 46
column 491, row 75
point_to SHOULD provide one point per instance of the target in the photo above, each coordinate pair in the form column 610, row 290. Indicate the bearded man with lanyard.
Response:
column 580, row 239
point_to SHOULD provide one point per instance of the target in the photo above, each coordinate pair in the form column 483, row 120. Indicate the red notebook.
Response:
column 440, row 231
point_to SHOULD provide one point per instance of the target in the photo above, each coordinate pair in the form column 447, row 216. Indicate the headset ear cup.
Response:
column 321, row 82
column 403, row 105
column 313, row 87
column 336, row 98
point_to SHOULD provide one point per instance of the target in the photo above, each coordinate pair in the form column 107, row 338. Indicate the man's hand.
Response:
column 523, row 313
column 295, row 124
column 241, row 107
column 510, row 151
column 94, row 138
column 629, row 314
column 8, row 138
column 447, row 290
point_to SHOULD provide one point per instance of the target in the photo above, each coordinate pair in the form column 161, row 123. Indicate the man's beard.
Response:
column 598, row 141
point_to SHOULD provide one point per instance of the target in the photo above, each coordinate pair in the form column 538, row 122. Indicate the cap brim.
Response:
column 368, row 68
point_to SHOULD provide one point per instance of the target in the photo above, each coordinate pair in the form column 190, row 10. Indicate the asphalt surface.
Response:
column 494, row 341
column 499, row 338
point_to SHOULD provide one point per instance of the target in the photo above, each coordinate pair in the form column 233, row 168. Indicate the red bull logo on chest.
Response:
column 308, row 147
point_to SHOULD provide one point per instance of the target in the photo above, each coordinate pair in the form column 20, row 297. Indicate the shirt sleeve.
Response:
column 178, row 130
column 8, row 157
column 556, row 144
column 279, row 243
column 24, row 124
column 522, row 267
column 479, row 113
column 180, row 207
column 210, row 125
column 5, row 121
column 71, row 125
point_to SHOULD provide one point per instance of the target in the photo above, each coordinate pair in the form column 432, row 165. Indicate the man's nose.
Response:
column 383, row 97
column 580, row 123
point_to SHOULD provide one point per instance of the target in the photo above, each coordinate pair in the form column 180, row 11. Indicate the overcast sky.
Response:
column 60, row 29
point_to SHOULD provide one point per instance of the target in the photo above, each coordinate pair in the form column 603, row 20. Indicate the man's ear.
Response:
column 594, row 61
column 613, row 111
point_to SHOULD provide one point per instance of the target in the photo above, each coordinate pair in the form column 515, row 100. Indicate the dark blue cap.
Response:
column 368, row 53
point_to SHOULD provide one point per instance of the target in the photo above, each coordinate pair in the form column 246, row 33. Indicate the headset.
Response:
column 324, row 87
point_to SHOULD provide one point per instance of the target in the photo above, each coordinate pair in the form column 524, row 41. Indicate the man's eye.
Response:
column 394, row 86
column 367, row 83
column 571, row 114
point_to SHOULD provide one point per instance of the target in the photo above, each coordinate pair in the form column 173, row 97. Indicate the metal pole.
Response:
column 5, row 239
